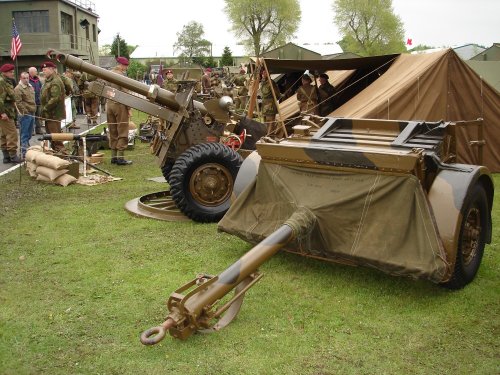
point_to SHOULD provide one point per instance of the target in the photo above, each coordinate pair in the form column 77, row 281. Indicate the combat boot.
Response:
column 113, row 160
column 14, row 159
column 122, row 161
column 6, row 157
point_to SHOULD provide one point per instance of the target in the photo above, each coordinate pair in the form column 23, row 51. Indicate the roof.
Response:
column 468, row 51
column 107, row 62
column 487, row 70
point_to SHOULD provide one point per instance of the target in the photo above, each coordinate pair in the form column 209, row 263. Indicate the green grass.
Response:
column 80, row 279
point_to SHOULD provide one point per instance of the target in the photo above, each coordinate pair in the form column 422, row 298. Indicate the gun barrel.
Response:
column 153, row 92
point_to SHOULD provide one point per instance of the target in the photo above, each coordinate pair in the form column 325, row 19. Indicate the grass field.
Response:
column 80, row 279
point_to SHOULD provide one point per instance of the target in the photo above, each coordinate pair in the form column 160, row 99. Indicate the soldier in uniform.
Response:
column 206, row 83
column 326, row 92
column 90, row 100
column 241, row 83
column 307, row 96
column 269, row 108
column 215, row 80
column 8, row 131
column 25, row 102
column 52, row 101
column 170, row 83
column 118, row 118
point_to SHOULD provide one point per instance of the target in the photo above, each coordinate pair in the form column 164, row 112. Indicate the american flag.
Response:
column 16, row 43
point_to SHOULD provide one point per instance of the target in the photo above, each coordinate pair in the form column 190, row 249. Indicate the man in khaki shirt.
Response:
column 26, row 107
column 118, row 117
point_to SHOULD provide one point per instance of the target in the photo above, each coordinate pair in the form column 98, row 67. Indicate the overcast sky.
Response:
column 153, row 24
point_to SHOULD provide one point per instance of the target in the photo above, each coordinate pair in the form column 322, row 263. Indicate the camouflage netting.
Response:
column 370, row 219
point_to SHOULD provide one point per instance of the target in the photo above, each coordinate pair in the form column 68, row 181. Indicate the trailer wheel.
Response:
column 202, row 180
column 167, row 168
column 472, row 239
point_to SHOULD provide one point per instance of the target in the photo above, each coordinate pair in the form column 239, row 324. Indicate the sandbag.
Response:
column 52, row 174
column 50, row 161
column 65, row 180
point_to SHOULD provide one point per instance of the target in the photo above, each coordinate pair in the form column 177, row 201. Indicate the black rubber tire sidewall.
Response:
column 463, row 274
column 167, row 168
column 184, row 167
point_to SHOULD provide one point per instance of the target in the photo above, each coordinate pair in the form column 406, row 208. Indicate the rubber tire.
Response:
column 167, row 168
column 463, row 273
column 185, row 166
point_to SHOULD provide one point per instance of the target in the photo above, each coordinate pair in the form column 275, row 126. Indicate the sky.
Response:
column 436, row 23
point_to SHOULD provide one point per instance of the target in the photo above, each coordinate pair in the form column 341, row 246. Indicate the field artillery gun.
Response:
column 187, row 144
column 378, row 193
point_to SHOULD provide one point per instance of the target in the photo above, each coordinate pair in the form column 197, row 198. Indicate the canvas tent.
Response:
column 427, row 87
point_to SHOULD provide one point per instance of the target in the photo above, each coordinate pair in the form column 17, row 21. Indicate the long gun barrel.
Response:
column 193, row 310
column 153, row 93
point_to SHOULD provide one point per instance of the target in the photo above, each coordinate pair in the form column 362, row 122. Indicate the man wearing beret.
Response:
column 8, row 131
column 170, row 83
column 118, row 116
column 52, row 101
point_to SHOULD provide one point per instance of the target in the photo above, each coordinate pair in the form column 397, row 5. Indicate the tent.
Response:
column 426, row 87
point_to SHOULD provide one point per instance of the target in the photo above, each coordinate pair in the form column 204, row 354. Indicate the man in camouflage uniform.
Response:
column 90, row 100
column 118, row 116
column 241, row 83
column 8, row 131
column 52, row 100
column 25, row 102
column 269, row 108
column 170, row 83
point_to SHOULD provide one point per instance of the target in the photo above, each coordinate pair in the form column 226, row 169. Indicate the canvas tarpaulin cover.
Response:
column 371, row 219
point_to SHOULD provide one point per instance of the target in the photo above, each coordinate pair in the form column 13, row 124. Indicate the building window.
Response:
column 66, row 24
column 94, row 33
column 35, row 21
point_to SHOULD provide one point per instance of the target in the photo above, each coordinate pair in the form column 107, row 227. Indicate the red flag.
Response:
column 159, row 79
column 408, row 41
column 16, row 43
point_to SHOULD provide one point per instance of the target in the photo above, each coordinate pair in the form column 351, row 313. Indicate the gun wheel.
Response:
column 202, row 181
column 167, row 168
column 472, row 239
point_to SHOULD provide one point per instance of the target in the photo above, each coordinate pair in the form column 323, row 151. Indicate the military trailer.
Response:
column 378, row 193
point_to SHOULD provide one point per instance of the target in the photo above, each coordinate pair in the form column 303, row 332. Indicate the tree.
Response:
column 369, row 27
column 190, row 41
column 136, row 70
column 120, row 47
column 227, row 57
column 263, row 24
column 105, row 50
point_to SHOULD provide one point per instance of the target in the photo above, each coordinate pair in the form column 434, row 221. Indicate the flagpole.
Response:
column 17, row 68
